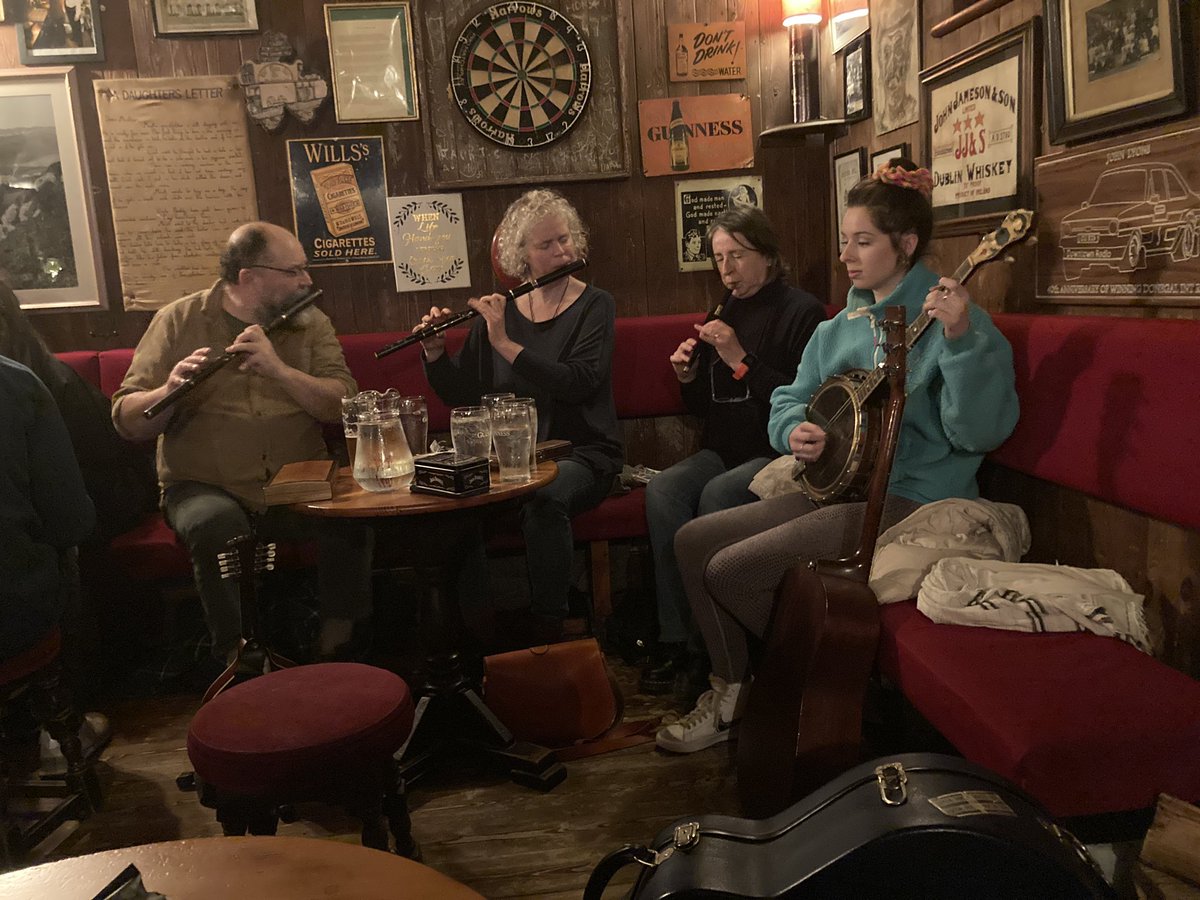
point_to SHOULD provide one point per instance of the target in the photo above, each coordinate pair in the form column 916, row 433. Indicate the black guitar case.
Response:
column 916, row 825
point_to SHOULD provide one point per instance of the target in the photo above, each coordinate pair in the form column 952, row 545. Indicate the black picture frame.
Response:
column 856, row 79
column 879, row 157
column 42, row 49
column 848, row 169
column 172, row 19
column 954, row 85
column 1134, row 67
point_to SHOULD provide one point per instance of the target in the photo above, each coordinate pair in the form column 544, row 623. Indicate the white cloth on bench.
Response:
column 979, row 529
column 1033, row 597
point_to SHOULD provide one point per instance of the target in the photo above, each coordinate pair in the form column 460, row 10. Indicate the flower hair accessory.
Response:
column 914, row 179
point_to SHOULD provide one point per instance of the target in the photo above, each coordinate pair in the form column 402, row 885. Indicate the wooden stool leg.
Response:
column 395, row 808
column 50, row 703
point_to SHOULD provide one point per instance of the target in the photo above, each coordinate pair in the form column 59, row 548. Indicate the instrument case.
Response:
column 918, row 825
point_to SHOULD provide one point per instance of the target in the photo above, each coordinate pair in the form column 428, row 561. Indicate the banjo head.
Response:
column 842, row 470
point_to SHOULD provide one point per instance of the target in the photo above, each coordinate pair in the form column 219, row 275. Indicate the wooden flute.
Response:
column 211, row 366
column 458, row 318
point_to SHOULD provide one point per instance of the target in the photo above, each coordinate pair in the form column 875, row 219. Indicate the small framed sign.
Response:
column 175, row 18
column 371, row 61
column 848, row 169
column 60, row 36
column 883, row 157
column 856, row 69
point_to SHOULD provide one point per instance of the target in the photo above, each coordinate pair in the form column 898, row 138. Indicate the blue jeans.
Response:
column 693, row 487
column 206, row 518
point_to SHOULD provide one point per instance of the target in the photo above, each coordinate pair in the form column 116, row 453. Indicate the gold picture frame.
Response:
column 371, row 62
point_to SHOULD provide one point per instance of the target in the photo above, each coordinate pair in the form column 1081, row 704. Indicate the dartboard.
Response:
column 521, row 74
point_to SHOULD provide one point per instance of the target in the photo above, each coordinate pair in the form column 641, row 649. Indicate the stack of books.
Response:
column 298, row 482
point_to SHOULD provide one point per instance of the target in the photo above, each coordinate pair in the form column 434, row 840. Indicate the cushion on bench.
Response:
column 1086, row 724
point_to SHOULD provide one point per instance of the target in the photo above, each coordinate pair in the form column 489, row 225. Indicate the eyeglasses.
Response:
column 294, row 271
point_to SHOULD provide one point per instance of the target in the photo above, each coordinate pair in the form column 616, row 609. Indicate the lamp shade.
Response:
column 843, row 10
column 802, row 12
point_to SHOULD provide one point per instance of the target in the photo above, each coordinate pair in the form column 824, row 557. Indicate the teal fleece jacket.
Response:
column 961, row 396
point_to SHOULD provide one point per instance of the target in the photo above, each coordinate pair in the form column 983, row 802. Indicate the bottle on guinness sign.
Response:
column 678, row 143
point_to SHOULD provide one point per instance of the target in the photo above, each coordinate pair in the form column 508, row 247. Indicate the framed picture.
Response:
column 848, row 169
column 371, row 61
column 883, row 157
column 1113, row 65
column 896, row 65
column 1119, row 222
column 176, row 18
column 700, row 200
column 850, row 18
column 856, row 70
column 981, row 115
column 47, row 223
column 60, row 34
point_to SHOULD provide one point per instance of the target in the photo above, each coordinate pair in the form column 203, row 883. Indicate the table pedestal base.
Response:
column 456, row 725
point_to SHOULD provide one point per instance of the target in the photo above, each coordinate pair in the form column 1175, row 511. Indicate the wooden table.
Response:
column 451, row 720
column 263, row 868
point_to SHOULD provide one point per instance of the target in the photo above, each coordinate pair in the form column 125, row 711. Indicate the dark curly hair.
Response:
column 895, row 210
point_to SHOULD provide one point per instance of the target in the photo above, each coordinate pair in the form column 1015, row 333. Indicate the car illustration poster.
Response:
column 1121, row 224
column 339, row 200
column 974, row 136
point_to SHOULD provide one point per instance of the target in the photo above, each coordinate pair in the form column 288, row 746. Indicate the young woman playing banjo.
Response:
column 961, row 403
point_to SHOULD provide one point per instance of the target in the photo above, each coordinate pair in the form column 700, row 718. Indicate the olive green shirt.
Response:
column 235, row 429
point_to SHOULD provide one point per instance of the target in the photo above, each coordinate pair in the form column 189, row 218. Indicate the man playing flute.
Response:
column 224, row 440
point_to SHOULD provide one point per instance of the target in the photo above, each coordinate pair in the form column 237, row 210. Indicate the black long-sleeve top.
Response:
column 774, row 325
column 566, row 366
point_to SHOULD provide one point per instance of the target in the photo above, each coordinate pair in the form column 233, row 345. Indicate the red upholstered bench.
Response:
column 1087, row 725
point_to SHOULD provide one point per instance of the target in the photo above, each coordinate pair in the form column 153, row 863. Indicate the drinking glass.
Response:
column 470, row 431
column 533, row 428
column 414, row 415
column 490, row 400
column 513, row 437
column 351, row 413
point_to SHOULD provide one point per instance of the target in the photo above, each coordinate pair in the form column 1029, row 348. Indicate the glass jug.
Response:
column 382, row 459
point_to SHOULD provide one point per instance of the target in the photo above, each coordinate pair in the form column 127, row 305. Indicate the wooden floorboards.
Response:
column 501, row 839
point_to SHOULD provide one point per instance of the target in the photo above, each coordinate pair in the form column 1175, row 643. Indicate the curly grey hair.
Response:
column 527, row 211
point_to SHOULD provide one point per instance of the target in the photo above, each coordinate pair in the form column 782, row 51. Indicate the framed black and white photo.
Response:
column 980, row 112
column 177, row 18
column 60, row 34
column 856, row 71
column 847, row 20
column 883, row 157
column 47, row 222
column 848, row 169
column 1113, row 65
column 371, row 61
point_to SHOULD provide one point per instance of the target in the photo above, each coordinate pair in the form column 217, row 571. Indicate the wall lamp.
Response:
column 801, row 17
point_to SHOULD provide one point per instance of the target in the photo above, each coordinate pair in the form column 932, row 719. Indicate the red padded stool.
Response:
column 35, row 676
column 325, row 732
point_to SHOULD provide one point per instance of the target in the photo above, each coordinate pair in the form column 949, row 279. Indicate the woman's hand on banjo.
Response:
column 807, row 441
column 947, row 301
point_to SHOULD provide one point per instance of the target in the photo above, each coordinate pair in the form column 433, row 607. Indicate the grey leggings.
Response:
column 732, row 561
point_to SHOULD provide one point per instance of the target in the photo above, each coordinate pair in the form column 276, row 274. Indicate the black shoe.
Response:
column 670, row 660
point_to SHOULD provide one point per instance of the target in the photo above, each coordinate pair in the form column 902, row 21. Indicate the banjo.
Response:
column 849, row 408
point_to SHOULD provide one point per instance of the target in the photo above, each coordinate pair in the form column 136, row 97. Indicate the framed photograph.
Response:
column 700, row 200
column 1113, row 65
column 882, row 157
column 371, row 61
column 856, row 81
column 60, row 34
column 1119, row 223
column 849, row 19
column 848, row 169
column 896, row 63
column 981, row 115
column 47, row 224
column 176, row 18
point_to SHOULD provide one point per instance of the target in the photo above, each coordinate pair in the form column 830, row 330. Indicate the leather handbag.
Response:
column 916, row 825
column 560, row 696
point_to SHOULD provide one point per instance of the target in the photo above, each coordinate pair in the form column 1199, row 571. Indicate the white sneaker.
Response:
column 716, row 712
